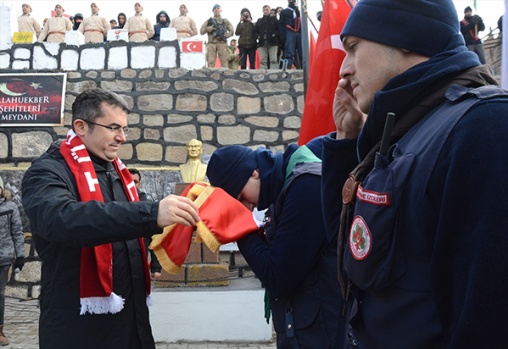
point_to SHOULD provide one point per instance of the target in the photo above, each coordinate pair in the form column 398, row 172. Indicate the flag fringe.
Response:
column 166, row 263
column 204, row 234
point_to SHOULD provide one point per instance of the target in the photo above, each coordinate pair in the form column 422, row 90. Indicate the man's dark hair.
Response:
column 135, row 171
column 88, row 104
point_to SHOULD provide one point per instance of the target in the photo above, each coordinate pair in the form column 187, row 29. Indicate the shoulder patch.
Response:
column 360, row 239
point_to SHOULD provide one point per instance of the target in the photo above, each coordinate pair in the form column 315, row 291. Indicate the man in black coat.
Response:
column 88, row 301
column 267, row 30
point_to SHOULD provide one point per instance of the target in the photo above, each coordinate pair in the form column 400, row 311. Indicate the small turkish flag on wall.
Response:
column 192, row 46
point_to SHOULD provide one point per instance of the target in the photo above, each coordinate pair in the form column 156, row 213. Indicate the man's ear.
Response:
column 255, row 174
column 79, row 127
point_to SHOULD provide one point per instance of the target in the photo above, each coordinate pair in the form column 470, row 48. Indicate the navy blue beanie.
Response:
column 230, row 168
column 423, row 26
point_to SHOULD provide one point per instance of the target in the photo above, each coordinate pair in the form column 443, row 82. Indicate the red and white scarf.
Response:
column 96, row 271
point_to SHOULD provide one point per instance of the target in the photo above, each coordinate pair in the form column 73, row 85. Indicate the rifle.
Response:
column 219, row 29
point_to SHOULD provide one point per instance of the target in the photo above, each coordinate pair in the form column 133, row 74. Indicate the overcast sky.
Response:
column 201, row 10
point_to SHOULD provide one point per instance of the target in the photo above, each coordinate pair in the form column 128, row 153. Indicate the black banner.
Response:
column 32, row 99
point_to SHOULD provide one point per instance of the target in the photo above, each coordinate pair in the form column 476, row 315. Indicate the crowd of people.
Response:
column 275, row 37
column 382, row 234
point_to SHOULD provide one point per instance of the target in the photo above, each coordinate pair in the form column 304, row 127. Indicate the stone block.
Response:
column 196, row 85
column 20, row 65
column 117, row 58
column 263, row 121
column 292, row 122
column 4, row 145
column 289, row 135
column 70, row 59
column 30, row 144
column 78, row 87
column 129, row 100
column 5, row 60
column 31, row 272
column 206, row 133
column 206, row 118
column 180, row 134
column 128, row 73
column 177, row 73
column 194, row 256
column 229, row 135
column 133, row 119
column 152, row 86
column 227, row 120
column 278, row 86
column 153, row 120
column 108, row 74
column 145, row 74
column 242, row 87
column 16, row 291
column 126, row 151
column 249, row 105
column 22, row 53
column 176, row 154
column 207, row 275
column 36, row 291
column 92, row 74
column 265, row 136
column 150, row 133
column 191, row 102
column 209, row 257
column 143, row 57
column 93, row 58
column 222, row 102
column 299, row 87
column 117, row 85
column 155, row 102
column 134, row 134
column 41, row 61
column 171, row 280
column 279, row 104
column 178, row 119
column 300, row 102
column 149, row 152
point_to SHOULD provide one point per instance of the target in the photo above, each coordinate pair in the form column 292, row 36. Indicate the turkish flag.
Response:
column 224, row 219
column 327, row 57
column 192, row 46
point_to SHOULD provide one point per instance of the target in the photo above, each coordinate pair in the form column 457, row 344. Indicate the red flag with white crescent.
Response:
column 317, row 118
column 192, row 46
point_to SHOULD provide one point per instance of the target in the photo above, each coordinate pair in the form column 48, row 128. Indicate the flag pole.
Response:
column 305, row 45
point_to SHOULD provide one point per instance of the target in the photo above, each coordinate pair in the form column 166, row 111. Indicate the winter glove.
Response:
column 19, row 263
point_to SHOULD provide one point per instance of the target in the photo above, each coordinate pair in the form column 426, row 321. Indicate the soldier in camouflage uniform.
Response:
column 11, row 249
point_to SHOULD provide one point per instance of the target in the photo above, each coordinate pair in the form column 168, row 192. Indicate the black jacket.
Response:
column 160, row 24
column 267, row 31
column 61, row 225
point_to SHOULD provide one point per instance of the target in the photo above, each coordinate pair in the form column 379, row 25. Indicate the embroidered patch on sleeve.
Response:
column 360, row 239
column 372, row 197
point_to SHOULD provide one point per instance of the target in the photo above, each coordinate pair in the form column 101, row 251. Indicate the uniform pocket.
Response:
column 371, row 259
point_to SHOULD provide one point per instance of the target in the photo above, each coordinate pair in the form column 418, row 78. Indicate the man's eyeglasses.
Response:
column 116, row 129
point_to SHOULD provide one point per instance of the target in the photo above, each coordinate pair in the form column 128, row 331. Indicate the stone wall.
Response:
column 170, row 105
